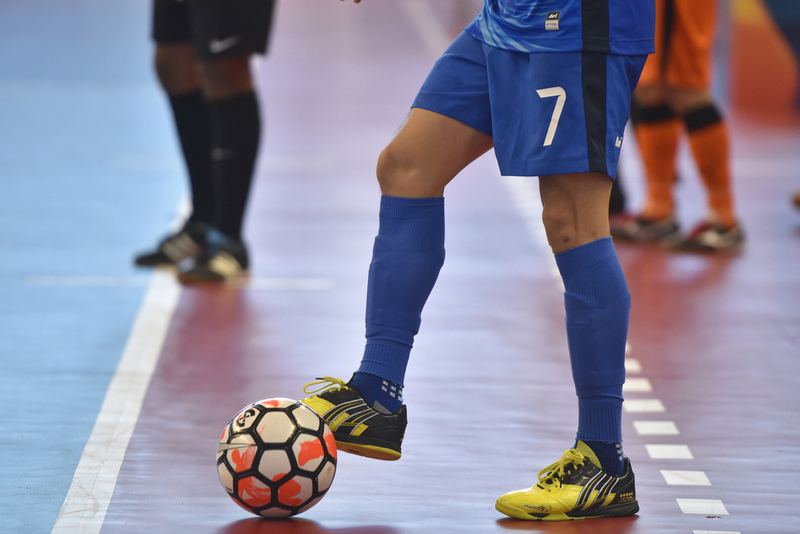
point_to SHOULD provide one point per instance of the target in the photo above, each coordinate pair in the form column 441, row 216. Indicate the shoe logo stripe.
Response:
column 587, row 489
column 336, row 422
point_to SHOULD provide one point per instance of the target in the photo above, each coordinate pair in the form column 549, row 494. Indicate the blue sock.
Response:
column 597, row 305
column 383, row 395
column 610, row 456
column 406, row 259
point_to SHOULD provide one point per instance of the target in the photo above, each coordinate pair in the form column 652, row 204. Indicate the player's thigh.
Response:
column 174, row 54
column 177, row 68
column 427, row 153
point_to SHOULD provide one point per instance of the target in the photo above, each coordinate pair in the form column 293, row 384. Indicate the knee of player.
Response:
column 686, row 100
column 395, row 175
column 560, row 227
column 651, row 95
column 225, row 78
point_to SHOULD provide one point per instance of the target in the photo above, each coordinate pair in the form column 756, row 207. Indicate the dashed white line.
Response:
column 702, row 506
column 637, row 385
column 685, row 478
column 669, row 452
column 632, row 365
column 656, row 428
column 643, row 406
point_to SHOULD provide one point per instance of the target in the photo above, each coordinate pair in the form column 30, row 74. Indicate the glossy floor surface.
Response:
column 102, row 363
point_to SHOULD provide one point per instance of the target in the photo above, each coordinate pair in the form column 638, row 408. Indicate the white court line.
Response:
column 715, row 532
column 669, row 452
column 685, row 478
column 637, row 385
column 632, row 365
column 656, row 428
column 702, row 506
column 89, row 495
column 643, row 406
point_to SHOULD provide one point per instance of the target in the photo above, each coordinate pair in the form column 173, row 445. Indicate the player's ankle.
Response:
column 380, row 394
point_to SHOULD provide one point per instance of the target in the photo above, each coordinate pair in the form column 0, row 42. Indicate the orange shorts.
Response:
column 685, row 31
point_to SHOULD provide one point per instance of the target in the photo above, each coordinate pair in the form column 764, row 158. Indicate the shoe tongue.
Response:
column 584, row 449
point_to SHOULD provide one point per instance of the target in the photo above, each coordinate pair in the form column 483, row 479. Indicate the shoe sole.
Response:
column 376, row 448
column 375, row 452
column 616, row 510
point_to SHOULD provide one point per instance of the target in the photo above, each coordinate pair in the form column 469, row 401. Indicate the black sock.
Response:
column 237, row 127
column 193, row 124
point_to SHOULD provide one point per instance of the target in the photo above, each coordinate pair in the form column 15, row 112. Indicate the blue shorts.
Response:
column 547, row 112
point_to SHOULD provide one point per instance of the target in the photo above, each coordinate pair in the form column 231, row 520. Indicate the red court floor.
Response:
column 712, row 396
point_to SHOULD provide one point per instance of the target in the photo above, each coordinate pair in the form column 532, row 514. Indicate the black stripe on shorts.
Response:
column 594, row 109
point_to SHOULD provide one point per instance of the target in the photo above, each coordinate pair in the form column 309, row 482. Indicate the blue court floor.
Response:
column 91, row 173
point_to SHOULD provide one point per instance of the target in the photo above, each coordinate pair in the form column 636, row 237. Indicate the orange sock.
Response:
column 708, row 138
column 657, row 130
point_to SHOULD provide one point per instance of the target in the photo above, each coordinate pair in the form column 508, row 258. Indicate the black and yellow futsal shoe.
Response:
column 358, row 429
column 575, row 487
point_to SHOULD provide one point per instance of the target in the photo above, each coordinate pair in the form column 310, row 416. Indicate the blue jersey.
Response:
column 624, row 27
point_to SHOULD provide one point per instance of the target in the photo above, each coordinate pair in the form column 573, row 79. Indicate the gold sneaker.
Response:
column 575, row 487
column 358, row 429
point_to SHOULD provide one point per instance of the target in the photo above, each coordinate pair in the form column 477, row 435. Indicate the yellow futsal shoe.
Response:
column 573, row 488
column 358, row 429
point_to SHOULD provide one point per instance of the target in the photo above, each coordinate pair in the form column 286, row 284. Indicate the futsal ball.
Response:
column 276, row 458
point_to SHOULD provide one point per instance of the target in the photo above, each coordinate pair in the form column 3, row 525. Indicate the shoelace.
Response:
column 554, row 472
column 326, row 382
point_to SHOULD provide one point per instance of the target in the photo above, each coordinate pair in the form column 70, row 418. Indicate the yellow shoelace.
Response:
column 553, row 473
column 326, row 382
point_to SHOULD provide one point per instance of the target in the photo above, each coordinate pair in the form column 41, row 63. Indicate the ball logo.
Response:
column 244, row 420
